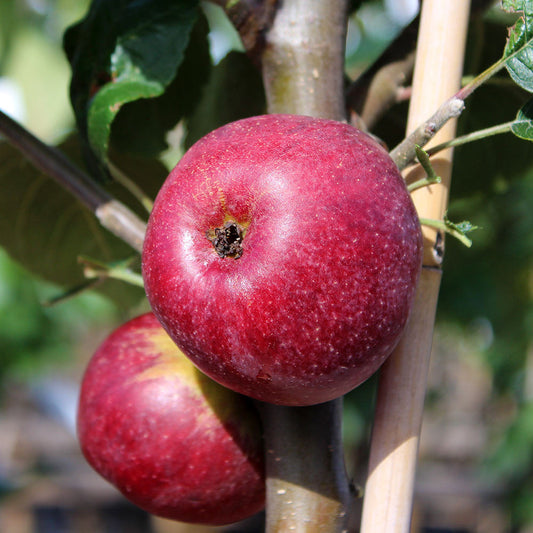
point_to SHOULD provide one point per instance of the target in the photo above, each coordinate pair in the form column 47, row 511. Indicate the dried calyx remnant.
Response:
column 227, row 241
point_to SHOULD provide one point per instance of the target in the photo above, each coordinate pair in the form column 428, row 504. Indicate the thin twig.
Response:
column 398, row 50
column 112, row 214
column 405, row 152
column 122, row 178
column 383, row 91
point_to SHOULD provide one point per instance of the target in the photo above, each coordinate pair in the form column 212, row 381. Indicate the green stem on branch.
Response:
column 303, row 72
column 480, row 79
column 112, row 214
column 424, row 182
column 471, row 137
column 449, row 227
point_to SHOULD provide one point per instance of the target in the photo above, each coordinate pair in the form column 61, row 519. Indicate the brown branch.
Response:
column 397, row 51
column 384, row 88
column 113, row 215
column 251, row 18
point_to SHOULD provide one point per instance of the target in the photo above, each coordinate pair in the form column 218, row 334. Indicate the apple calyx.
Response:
column 227, row 241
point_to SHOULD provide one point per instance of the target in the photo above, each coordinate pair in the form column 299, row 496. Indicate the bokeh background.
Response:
column 476, row 458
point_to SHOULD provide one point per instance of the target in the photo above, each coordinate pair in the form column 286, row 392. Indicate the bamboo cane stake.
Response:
column 392, row 464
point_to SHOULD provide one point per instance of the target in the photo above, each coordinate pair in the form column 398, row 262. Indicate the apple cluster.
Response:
column 280, row 261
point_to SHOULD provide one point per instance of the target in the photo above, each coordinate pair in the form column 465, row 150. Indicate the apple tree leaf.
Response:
column 523, row 125
column 159, row 115
column 45, row 230
column 518, row 50
column 122, row 51
column 234, row 91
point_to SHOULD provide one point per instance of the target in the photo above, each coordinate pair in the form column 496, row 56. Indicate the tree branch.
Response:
column 303, row 62
column 383, row 90
column 360, row 91
column 251, row 19
column 405, row 153
column 113, row 215
column 307, row 489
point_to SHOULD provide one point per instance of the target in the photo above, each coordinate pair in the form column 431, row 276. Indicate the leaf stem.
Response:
column 94, row 269
column 447, row 228
column 471, row 137
column 112, row 214
column 424, row 182
column 130, row 186
column 478, row 80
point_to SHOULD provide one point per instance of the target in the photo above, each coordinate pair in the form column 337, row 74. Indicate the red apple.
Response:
column 282, row 256
column 174, row 442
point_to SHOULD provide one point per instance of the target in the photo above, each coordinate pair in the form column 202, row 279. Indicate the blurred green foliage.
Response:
column 34, row 338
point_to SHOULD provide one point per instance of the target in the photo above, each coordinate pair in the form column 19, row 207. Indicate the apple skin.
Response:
column 174, row 442
column 331, row 254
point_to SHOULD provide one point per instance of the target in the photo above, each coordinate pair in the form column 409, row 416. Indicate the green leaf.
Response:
column 159, row 115
column 458, row 230
column 523, row 125
column 44, row 229
column 234, row 91
column 463, row 227
column 146, row 174
column 519, row 47
column 121, row 51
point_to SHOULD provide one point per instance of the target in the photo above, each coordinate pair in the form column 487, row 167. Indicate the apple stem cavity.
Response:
column 227, row 241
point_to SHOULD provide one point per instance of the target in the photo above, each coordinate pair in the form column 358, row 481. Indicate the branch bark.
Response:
column 303, row 62
column 112, row 214
column 307, row 487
